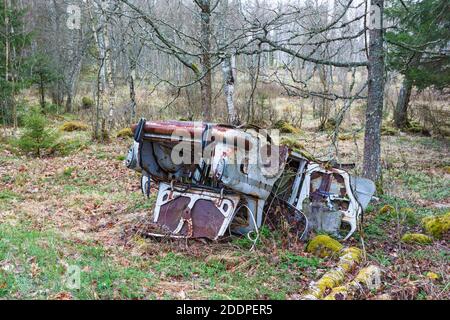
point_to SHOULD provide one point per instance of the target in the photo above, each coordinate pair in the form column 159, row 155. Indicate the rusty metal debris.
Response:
column 217, row 179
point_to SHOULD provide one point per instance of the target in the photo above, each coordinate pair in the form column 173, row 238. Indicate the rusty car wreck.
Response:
column 216, row 179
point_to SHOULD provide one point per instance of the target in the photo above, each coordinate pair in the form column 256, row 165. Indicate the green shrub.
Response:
column 6, row 114
column 36, row 137
column 51, row 108
column 87, row 103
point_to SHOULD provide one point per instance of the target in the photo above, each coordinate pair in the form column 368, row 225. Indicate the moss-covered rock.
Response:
column 337, row 293
column 125, row 133
column 323, row 246
column 297, row 146
column 416, row 238
column 74, row 126
column 286, row 127
column 368, row 277
column 386, row 209
column 294, row 144
column 349, row 257
column 437, row 226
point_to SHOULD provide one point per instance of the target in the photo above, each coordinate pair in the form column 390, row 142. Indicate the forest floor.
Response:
column 81, row 210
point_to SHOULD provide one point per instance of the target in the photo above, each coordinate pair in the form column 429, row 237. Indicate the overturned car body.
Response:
column 213, row 179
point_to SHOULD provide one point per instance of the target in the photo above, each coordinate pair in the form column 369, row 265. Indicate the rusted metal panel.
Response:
column 193, row 212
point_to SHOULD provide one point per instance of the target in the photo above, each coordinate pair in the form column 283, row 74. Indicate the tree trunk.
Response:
column 71, row 84
column 69, row 103
column 42, row 92
column 372, row 136
column 132, row 94
column 206, row 82
column 105, row 84
column 229, row 77
column 401, row 109
column 111, row 92
column 10, row 101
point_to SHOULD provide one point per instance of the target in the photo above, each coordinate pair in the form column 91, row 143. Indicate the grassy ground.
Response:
column 82, row 210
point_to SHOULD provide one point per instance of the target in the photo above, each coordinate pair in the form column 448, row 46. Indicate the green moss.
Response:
column 125, row 133
column 292, row 143
column 437, row 226
column 432, row 276
column 74, row 126
column 87, row 103
column 415, row 127
column 323, row 246
column 388, row 130
column 340, row 291
column 326, row 282
column 365, row 275
column 350, row 257
column 386, row 209
column 286, row 127
column 296, row 146
column 417, row 238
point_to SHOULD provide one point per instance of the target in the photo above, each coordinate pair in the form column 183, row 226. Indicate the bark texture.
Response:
column 206, row 82
column 229, row 76
column 372, row 136
column 401, row 109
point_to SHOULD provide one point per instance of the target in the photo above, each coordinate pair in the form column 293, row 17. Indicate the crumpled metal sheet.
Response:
column 236, row 172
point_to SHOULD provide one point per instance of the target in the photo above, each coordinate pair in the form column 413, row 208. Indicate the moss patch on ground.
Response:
column 416, row 238
column 437, row 226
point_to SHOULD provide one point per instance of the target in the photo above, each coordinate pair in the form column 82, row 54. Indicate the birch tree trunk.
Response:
column 71, row 83
column 97, row 27
column 110, row 89
column 106, row 90
column 372, row 136
column 206, row 82
column 229, row 77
